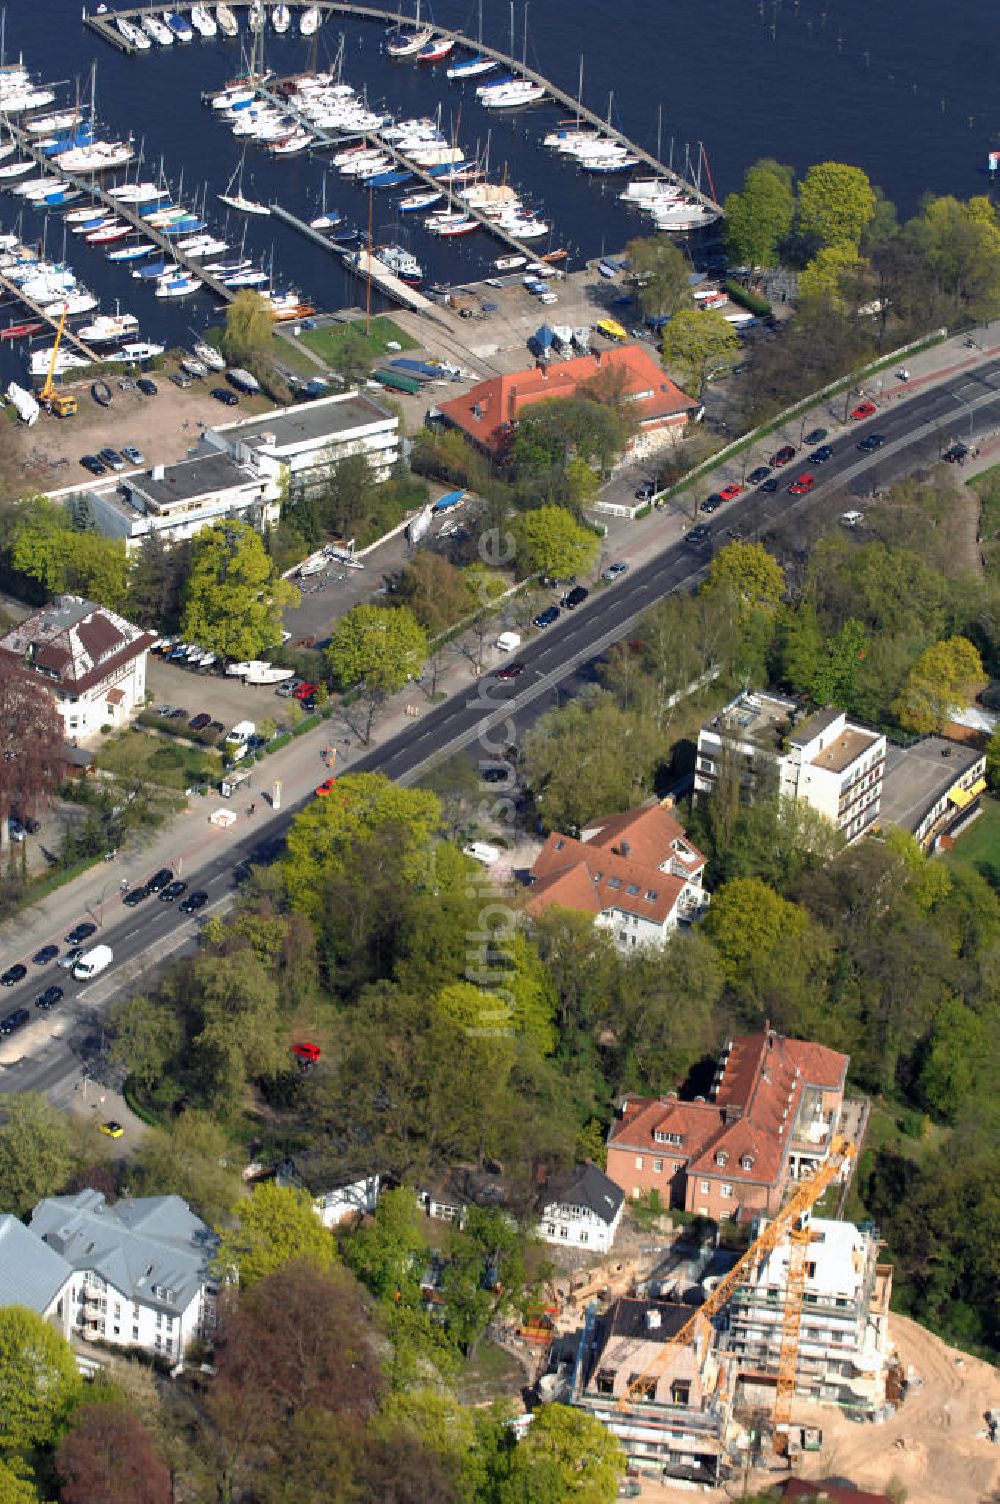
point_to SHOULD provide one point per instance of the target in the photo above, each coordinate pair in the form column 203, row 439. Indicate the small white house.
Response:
column 141, row 1269
column 338, row 1195
column 581, row 1210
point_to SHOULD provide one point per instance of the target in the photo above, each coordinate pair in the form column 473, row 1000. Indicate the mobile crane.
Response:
column 790, row 1222
column 62, row 404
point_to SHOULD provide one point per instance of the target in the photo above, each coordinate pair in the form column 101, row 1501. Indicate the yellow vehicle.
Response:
column 611, row 329
column 62, row 404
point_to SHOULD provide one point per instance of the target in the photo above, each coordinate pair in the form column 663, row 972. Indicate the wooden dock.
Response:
column 12, row 289
column 393, row 287
column 105, row 28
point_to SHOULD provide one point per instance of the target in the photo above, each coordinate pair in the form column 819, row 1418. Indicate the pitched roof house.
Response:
column 338, row 1193
column 635, row 873
column 91, row 660
column 581, row 1209
column 488, row 414
column 774, row 1109
column 33, row 1275
column 142, row 1267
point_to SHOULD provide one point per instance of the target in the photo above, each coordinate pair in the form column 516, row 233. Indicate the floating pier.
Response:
column 13, row 291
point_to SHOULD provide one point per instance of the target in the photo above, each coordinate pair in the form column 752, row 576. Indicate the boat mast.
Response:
column 524, row 55
column 579, row 93
column 368, row 293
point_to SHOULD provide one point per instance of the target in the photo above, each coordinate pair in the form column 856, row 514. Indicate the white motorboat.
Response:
column 209, row 356
column 108, row 328
column 240, row 670
column 178, row 287
column 16, row 169
column 281, row 18
column 209, row 247
column 133, row 35
column 510, row 96
column 265, row 674
column 30, row 99
column 292, row 144
column 136, row 193
column 227, row 22
column 194, row 367
column 138, row 350
column 203, row 21
column 236, row 97
column 177, row 24
column 679, row 218
column 65, row 360
column 156, row 31
column 309, row 21
column 79, row 301
column 100, row 157
column 44, row 125
column 33, row 186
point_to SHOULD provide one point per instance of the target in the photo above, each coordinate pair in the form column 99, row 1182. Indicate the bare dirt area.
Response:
column 935, row 1444
column 164, row 427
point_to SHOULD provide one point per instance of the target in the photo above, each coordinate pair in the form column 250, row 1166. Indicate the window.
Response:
column 651, row 895
column 564, row 1232
column 584, row 1236
column 680, row 1392
column 550, row 1229
column 116, row 1331
column 135, row 1334
column 615, row 883
column 722, row 1158
column 632, row 890
column 727, row 1190
column 746, row 1162
column 642, row 1387
column 638, row 1161
column 705, row 1188
column 605, row 1381
column 657, row 1166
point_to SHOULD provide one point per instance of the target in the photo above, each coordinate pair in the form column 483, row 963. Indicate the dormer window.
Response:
column 722, row 1158
column 746, row 1161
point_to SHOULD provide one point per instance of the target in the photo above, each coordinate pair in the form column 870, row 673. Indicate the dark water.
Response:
column 906, row 91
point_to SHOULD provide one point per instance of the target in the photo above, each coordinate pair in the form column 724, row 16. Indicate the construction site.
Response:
column 718, row 1369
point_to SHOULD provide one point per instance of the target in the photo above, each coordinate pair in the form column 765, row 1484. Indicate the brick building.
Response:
column 773, row 1110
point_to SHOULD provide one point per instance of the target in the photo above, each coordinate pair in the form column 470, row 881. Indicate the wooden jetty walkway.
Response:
column 13, row 291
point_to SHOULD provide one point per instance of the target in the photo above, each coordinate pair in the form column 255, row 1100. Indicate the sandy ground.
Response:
column 934, row 1445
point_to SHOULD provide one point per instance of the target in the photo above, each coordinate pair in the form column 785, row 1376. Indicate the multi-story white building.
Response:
column 581, row 1210
column 310, row 437
column 34, row 1276
column 141, row 1269
column 91, row 660
column 173, row 502
column 825, row 760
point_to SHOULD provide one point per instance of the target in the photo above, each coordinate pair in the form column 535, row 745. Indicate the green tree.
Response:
column 234, row 598
column 697, row 341
column 751, row 575
column 377, row 649
column 746, row 921
column 36, row 1152
column 363, row 807
column 760, row 216
column 148, row 1037
column 346, row 496
column 834, row 274
column 661, row 272
column 388, row 1252
column 191, row 1156
column 435, row 592
column 960, row 243
column 954, row 1059
column 993, row 760
column 571, row 1450
column 15, row 1487
column 238, row 1033
column 270, row 1229
column 551, row 542
column 39, row 1381
column 946, row 676
column 836, row 203
column 47, row 548
column 589, row 758
column 249, row 327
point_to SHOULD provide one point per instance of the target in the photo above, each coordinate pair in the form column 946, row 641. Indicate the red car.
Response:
column 309, row 1053
column 786, row 453
column 728, row 492
column 801, row 484
column 863, row 410
column 326, row 787
column 304, row 691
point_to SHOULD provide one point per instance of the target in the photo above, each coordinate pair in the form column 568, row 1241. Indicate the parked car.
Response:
column 93, row 464
column 81, row 932
column 575, row 597
column 815, row 436
column 711, row 503
column 111, row 458
column 872, row 441
column 615, row 571
column 698, row 534
column 112, row 1128
column 769, row 486
column 956, row 454
column 509, row 671
column 160, row 880
column 305, row 691
column 146, row 387
column 821, row 455
column 227, row 398
column 49, row 997
column 45, row 955
column 135, row 896
column 324, row 788
column 645, row 492
column 14, row 1021
column 181, row 379
column 783, row 455
column 863, row 410
column 13, row 975
column 728, row 492
column 194, row 901
column 801, row 484
column 173, row 890
column 69, row 958
column 756, row 476
column 133, row 455
column 287, row 689
column 547, row 617
column 200, row 721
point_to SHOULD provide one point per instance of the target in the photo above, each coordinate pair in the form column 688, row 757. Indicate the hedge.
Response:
column 751, row 301
column 278, row 742
column 179, row 728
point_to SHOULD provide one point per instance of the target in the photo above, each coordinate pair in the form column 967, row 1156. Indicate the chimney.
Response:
column 158, row 472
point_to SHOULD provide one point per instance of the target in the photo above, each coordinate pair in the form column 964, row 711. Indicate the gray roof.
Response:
column 31, row 1274
column 308, row 423
column 153, row 1249
column 917, row 777
column 189, row 479
column 815, row 725
column 586, row 1186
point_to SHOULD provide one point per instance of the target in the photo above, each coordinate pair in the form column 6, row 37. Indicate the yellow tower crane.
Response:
column 789, row 1222
column 63, row 404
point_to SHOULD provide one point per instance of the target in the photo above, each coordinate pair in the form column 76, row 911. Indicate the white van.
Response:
column 508, row 642
column 482, row 851
column 93, row 962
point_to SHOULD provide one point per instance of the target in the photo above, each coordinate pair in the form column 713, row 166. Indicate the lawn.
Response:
column 491, row 1375
column 326, row 342
column 987, row 487
column 885, row 1131
column 978, row 847
column 158, row 760
column 287, row 352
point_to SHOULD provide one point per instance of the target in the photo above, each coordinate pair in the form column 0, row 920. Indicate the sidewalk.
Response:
column 189, row 839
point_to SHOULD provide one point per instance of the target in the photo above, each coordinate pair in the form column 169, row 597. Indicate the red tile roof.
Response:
column 795, row 1489
column 622, row 853
column 487, row 412
column 751, row 1116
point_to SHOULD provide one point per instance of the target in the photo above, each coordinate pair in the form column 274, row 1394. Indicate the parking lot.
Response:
column 226, row 700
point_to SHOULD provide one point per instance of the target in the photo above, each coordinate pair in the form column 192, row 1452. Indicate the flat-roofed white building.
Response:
column 174, row 502
column 826, row 760
column 310, row 437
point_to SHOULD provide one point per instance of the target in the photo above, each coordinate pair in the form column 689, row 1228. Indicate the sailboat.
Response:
column 256, row 17
column 309, row 21
column 281, row 18
column 238, row 200
column 325, row 220
column 226, row 21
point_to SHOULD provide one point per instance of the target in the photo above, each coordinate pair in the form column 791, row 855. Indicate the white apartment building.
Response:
column 174, row 502
column 91, row 660
column 140, row 1270
column 829, row 762
column 581, row 1210
column 310, row 437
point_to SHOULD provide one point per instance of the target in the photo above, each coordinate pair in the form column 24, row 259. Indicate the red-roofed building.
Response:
column 774, row 1108
column 635, row 873
column 488, row 414
column 91, row 660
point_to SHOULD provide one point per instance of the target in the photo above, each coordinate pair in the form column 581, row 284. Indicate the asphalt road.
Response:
column 915, row 431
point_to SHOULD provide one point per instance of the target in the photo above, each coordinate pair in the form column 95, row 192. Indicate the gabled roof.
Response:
column 31, row 1274
column 319, row 1171
column 585, row 1186
column 795, row 1489
column 153, row 1249
column 487, row 412
column 74, row 643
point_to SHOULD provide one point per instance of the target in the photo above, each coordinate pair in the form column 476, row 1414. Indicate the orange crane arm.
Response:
column 808, row 1193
